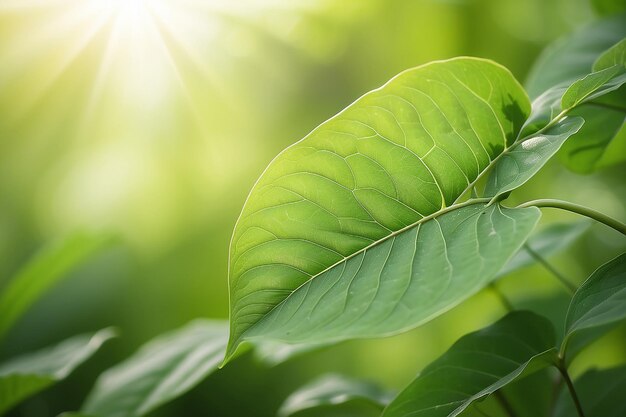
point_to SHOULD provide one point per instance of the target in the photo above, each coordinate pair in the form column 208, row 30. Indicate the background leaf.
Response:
column 42, row 272
column 405, row 281
column 329, row 391
column 478, row 365
column 549, row 241
column 28, row 374
column 376, row 168
column 601, row 394
column 600, row 301
column 609, row 6
column 162, row 370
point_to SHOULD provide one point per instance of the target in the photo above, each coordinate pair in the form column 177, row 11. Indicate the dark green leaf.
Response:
column 162, row 370
column 46, row 269
column 609, row 6
column 601, row 394
column 26, row 375
column 359, row 189
column 600, row 301
column 330, row 391
column 478, row 365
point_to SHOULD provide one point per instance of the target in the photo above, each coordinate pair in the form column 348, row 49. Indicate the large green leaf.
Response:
column 362, row 188
column 600, row 301
column 572, row 57
column 46, row 269
column 549, row 241
column 478, row 365
column 601, row 394
column 522, row 162
column 162, row 370
column 330, row 391
column 28, row 374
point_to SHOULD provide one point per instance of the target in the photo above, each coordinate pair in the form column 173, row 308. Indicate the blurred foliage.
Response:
column 153, row 119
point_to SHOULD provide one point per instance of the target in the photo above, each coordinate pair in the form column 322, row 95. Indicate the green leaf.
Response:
column 405, row 281
column 549, row 241
column 329, row 391
column 601, row 394
column 522, row 162
column 600, row 301
column 26, row 375
column 615, row 55
column 46, row 269
column 594, row 85
column 572, row 57
column 165, row 368
column 609, row 6
column 358, row 189
column 478, row 365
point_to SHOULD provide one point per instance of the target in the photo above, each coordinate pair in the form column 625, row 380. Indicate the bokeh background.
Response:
column 152, row 119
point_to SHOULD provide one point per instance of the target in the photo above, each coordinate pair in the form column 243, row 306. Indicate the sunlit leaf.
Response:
column 594, row 85
column 46, row 269
column 615, row 55
column 522, row 162
column 26, row 375
column 600, row 301
column 601, row 394
column 359, row 190
column 549, row 241
column 330, row 391
column 478, row 365
column 162, row 370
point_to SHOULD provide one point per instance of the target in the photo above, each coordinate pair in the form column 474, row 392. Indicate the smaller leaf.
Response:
column 46, row 269
column 28, row 374
column 601, row 394
column 524, row 160
column 478, row 365
column 600, row 301
column 594, row 85
column 616, row 55
column 549, row 241
column 331, row 391
column 165, row 368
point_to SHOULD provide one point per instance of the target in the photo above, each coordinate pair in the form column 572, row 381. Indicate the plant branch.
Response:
column 501, row 297
column 506, row 405
column 570, row 387
column 570, row 287
column 578, row 209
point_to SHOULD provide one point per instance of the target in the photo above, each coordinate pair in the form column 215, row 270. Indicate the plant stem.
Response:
column 578, row 209
column 506, row 405
column 570, row 287
column 503, row 299
column 570, row 387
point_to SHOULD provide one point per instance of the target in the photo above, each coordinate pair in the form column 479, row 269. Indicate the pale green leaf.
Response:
column 359, row 186
column 523, row 161
column 331, row 391
column 615, row 55
column 478, row 365
column 549, row 241
column 572, row 57
column 600, row 301
column 162, row 370
column 405, row 280
column 26, row 375
column 46, row 269
column 601, row 394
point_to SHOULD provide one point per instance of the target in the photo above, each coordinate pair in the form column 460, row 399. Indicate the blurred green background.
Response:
column 152, row 119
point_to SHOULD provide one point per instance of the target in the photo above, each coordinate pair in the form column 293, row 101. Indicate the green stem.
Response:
column 503, row 299
column 570, row 387
column 571, row 287
column 578, row 209
column 505, row 404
